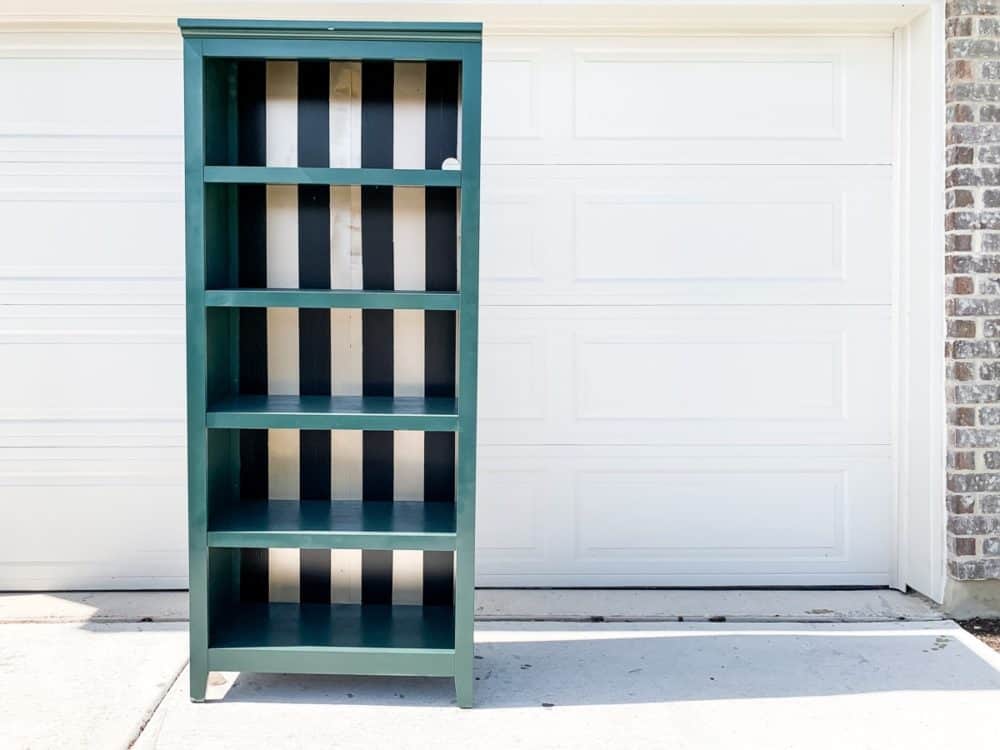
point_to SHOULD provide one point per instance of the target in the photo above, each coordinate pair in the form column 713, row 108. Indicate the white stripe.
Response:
column 282, row 273
column 458, row 139
column 345, row 114
column 282, row 132
column 409, row 268
column 282, row 324
column 409, row 107
column 345, row 328
column 345, row 575
column 283, row 484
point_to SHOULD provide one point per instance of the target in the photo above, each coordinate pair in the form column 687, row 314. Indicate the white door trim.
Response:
column 921, row 417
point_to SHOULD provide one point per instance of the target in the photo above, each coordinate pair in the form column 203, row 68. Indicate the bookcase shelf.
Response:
column 280, row 484
column 328, row 176
column 334, row 413
column 340, row 638
column 337, row 524
column 321, row 298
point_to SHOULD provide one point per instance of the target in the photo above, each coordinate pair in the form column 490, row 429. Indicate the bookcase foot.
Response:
column 199, row 684
column 464, row 691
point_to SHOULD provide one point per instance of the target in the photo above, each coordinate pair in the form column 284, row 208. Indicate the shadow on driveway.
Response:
column 562, row 664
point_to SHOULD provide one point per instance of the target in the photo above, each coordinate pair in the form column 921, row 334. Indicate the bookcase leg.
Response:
column 464, row 688
column 199, row 683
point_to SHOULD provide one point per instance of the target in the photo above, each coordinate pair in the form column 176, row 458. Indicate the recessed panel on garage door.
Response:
column 685, row 376
column 688, row 100
column 88, row 93
column 88, row 486
column 672, row 235
column 615, row 515
column 116, row 356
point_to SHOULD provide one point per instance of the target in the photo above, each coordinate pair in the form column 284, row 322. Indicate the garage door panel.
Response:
column 91, row 97
column 627, row 376
column 513, row 513
column 688, row 100
column 659, row 516
column 755, row 105
column 52, row 225
column 141, row 488
column 672, row 235
column 513, row 367
column 664, row 505
column 755, row 376
column 92, row 364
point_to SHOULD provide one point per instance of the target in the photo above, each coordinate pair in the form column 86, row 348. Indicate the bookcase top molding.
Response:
column 353, row 30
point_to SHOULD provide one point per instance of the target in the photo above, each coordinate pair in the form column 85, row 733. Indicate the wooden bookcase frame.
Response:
column 383, row 640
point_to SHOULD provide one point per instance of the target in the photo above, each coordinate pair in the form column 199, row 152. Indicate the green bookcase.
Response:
column 233, row 518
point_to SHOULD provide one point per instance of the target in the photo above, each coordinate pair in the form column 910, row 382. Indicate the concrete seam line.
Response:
column 555, row 618
column 69, row 620
column 597, row 619
column 148, row 716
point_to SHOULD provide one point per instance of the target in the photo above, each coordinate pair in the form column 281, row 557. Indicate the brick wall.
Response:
column 972, row 268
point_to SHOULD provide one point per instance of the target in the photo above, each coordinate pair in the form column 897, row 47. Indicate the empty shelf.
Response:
column 332, row 176
column 327, row 524
column 333, row 639
column 334, row 412
column 322, row 298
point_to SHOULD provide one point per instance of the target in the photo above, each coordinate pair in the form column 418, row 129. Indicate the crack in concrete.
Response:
column 148, row 717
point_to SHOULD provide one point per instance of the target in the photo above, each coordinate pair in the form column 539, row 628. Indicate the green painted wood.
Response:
column 419, row 28
column 227, row 634
column 345, row 627
column 349, row 30
column 194, row 144
column 322, row 298
column 468, row 363
column 341, row 524
column 280, row 46
column 332, row 176
column 334, row 413
column 362, row 661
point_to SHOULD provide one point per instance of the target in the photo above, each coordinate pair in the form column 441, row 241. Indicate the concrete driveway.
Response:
column 915, row 683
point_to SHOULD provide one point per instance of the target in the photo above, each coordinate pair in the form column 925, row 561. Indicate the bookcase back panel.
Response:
column 341, row 114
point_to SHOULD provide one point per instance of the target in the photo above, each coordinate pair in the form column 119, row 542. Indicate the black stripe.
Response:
column 251, row 98
column 251, row 251
column 377, row 84
column 440, row 225
column 253, row 485
column 441, row 217
column 442, row 113
column 376, row 484
column 439, row 486
column 314, row 484
column 314, row 113
column 314, row 325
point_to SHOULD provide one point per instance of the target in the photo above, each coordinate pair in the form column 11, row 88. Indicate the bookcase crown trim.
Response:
column 353, row 30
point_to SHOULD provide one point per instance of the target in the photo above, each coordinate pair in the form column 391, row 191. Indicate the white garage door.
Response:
column 686, row 339
column 687, row 327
